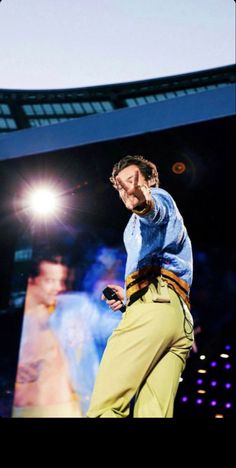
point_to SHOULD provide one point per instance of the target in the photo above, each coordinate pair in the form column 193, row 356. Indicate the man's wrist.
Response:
column 144, row 208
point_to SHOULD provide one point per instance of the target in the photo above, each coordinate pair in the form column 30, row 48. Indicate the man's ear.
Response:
column 151, row 181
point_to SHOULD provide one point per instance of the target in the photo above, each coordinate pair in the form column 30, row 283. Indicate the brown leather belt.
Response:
column 140, row 280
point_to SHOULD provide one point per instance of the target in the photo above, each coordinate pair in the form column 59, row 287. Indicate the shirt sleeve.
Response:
column 160, row 213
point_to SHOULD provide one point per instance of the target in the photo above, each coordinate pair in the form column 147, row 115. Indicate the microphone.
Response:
column 110, row 294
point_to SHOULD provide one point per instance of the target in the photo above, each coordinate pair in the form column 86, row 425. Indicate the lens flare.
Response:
column 43, row 202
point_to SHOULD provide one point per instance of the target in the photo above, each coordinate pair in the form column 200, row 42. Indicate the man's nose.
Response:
column 59, row 288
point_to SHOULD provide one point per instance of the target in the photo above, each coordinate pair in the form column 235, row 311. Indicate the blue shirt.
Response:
column 159, row 238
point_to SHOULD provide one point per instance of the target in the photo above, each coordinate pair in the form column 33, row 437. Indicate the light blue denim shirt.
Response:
column 159, row 238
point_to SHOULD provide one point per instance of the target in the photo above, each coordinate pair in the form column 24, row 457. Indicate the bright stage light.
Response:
column 43, row 202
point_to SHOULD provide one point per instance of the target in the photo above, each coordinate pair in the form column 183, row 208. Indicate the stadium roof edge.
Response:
column 149, row 82
column 122, row 123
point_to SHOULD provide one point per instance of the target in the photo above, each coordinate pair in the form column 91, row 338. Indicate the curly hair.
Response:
column 147, row 169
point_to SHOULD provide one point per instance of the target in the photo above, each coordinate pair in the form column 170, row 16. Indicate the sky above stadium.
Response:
column 51, row 44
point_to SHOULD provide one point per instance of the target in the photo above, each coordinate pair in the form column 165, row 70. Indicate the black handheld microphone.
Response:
column 110, row 294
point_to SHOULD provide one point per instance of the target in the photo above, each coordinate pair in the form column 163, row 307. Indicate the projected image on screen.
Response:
column 65, row 328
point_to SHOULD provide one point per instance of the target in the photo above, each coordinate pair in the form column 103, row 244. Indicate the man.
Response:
column 43, row 383
column 147, row 352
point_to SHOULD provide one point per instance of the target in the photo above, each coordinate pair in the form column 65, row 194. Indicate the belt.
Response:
column 139, row 281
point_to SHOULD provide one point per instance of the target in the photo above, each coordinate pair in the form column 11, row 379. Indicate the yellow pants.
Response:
column 144, row 357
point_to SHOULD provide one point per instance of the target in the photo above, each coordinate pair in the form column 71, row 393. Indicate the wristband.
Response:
column 149, row 205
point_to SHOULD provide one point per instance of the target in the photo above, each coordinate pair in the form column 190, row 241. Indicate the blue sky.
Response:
column 75, row 43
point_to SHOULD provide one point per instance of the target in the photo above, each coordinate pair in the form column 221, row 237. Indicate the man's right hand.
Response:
column 113, row 304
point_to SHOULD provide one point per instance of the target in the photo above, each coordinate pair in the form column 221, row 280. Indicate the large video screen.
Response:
column 65, row 325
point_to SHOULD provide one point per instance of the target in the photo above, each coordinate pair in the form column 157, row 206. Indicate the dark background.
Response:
column 204, row 193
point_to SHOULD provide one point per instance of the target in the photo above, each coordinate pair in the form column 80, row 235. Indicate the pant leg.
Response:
column 143, row 338
column 156, row 397
column 157, row 394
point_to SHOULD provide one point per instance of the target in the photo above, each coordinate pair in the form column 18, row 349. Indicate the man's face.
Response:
column 49, row 283
column 127, row 176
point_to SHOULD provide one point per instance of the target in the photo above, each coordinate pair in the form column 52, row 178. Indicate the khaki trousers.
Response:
column 144, row 357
